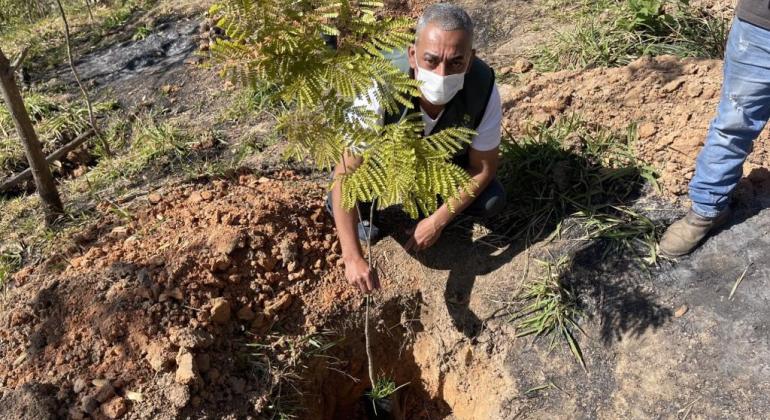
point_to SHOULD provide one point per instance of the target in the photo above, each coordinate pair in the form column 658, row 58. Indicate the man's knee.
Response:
column 490, row 202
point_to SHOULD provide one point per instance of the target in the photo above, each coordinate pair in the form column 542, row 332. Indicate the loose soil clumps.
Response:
column 670, row 101
column 199, row 300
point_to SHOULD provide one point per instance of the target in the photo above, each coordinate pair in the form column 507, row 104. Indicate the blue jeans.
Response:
column 744, row 109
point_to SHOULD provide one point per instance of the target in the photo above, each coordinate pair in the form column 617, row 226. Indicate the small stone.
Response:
column 104, row 392
column 288, row 250
column 681, row 311
column 186, row 373
column 115, row 408
column 158, row 356
column 245, row 314
column 542, row 118
column 521, row 65
column 266, row 261
column 206, row 195
column 195, row 197
column 694, row 89
column 672, row 85
column 284, row 301
column 292, row 266
column 647, row 130
column 220, row 310
column 79, row 385
column 190, row 338
column 154, row 198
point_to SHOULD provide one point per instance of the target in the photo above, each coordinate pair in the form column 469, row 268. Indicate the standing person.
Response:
column 743, row 111
column 458, row 89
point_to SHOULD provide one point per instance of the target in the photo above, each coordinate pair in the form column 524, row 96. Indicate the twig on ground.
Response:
column 739, row 280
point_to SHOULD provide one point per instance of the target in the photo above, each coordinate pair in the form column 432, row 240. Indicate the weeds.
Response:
column 10, row 261
column 573, row 169
column 54, row 119
column 275, row 362
column 551, row 309
column 611, row 33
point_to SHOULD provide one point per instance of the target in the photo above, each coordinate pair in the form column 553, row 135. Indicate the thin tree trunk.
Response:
column 40, row 172
column 91, row 119
column 90, row 14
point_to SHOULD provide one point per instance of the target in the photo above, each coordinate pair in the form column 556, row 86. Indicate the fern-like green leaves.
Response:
column 281, row 42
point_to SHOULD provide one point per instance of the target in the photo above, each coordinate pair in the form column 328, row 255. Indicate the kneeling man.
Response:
column 458, row 90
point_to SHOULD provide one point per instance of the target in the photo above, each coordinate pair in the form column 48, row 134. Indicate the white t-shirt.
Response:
column 488, row 131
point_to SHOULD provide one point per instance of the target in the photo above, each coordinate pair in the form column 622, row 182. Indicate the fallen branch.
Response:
column 25, row 175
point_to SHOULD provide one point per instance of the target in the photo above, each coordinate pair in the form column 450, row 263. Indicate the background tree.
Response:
column 40, row 172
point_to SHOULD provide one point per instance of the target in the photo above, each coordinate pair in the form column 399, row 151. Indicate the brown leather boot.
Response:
column 686, row 234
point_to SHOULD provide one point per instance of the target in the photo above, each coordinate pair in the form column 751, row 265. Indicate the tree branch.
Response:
column 91, row 119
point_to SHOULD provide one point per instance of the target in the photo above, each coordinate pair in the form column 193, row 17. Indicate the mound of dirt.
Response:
column 176, row 303
column 671, row 101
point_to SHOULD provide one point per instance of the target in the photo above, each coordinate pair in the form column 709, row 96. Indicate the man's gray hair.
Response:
column 448, row 17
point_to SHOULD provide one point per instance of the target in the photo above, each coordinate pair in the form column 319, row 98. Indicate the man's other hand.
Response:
column 424, row 235
column 359, row 275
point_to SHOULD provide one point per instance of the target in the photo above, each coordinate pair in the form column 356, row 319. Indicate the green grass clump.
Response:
column 550, row 309
column 614, row 33
column 574, row 170
column 10, row 261
column 54, row 119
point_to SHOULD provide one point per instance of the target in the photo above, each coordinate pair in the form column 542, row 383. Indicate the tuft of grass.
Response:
column 382, row 389
column 572, row 169
column 550, row 309
column 274, row 361
column 54, row 119
column 10, row 261
column 614, row 33
column 141, row 33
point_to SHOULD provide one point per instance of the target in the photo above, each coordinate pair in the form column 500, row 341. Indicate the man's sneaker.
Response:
column 367, row 230
column 687, row 233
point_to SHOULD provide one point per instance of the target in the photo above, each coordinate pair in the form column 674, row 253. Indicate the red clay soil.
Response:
column 198, row 299
column 671, row 100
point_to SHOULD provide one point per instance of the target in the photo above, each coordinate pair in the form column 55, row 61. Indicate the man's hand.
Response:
column 424, row 235
column 359, row 275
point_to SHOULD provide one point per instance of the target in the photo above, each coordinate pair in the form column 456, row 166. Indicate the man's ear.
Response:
column 411, row 53
column 470, row 62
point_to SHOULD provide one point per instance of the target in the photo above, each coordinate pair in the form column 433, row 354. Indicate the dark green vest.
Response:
column 466, row 109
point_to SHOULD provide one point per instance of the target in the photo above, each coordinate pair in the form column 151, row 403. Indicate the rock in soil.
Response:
column 186, row 372
column 220, row 310
column 115, row 408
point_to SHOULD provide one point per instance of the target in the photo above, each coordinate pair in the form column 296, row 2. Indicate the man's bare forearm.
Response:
column 346, row 222
column 480, row 182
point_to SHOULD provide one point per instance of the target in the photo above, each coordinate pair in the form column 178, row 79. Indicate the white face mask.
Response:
column 439, row 90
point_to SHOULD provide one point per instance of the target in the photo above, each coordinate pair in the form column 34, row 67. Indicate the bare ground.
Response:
column 664, row 342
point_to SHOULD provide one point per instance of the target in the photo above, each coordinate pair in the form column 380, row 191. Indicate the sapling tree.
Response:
column 282, row 43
